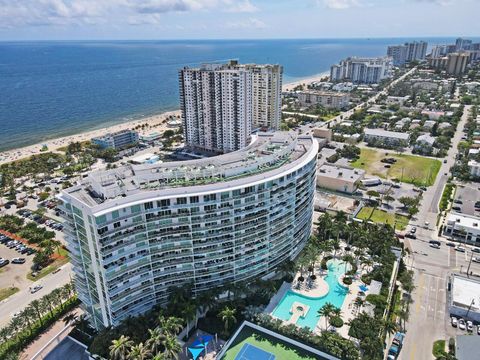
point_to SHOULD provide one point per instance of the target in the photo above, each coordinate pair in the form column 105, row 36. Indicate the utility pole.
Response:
column 469, row 263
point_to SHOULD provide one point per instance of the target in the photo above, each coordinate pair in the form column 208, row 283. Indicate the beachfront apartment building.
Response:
column 136, row 231
column 327, row 99
column 118, row 140
column 410, row 51
column 453, row 63
column 362, row 70
column 222, row 104
column 380, row 137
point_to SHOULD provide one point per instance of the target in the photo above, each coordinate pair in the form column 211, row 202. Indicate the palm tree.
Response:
column 138, row 352
column 119, row 350
column 287, row 268
column 336, row 311
column 171, row 325
column 171, row 346
column 37, row 308
column 389, row 326
column 348, row 259
column 189, row 314
column 155, row 340
column 69, row 318
column 326, row 311
column 228, row 317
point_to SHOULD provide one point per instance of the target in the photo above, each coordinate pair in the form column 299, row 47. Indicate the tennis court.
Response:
column 250, row 352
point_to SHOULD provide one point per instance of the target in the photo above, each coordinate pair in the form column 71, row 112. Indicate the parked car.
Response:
column 451, row 244
column 457, row 201
column 18, row 260
column 456, row 208
column 4, row 262
column 478, row 329
column 476, row 259
column 460, row 249
column 435, row 246
column 469, row 326
column 461, row 324
column 476, row 250
column 413, row 230
column 35, row 288
column 411, row 236
column 454, row 321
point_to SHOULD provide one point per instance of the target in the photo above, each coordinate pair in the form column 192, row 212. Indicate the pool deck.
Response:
column 314, row 289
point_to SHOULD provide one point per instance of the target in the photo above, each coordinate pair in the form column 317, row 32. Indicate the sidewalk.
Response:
column 44, row 338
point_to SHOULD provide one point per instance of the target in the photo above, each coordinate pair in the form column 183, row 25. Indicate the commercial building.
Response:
column 464, row 297
column 462, row 44
column 410, row 51
column 465, row 228
column 117, row 140
column 341, row 179
column 222, row 103
column 362, row 70
column 136, row 231
column 327, row 99
column 382, row 137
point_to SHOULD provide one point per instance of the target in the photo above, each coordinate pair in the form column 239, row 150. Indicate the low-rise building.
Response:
column 400, row 100
column 146, row 159
column 327, row 99
column 465, row 346
column 338, row 178
column 424, row 144
column 474, row 167
column 428, row 124
column 433, row 115
column 387, row 138
column 464, row 297
column 117, row 140
column 465, row 228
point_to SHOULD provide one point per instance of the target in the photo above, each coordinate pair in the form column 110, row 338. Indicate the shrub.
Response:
column 347, row 280
column 366, row 279
column 324, row 262
column 336, row 321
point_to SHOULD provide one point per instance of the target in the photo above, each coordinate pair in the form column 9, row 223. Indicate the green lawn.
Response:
column 7, row 292
column 417, row 170
column 280, row 349
column 52, row 267
column 381, row 216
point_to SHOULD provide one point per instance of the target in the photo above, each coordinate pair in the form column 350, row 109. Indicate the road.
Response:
column 20, row 300
column 429, row 320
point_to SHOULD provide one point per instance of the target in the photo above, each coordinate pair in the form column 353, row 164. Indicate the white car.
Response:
column 469, row 326
column 478, row 329
column 454, row 321
column 460, row 249
column 35, row 288
column 476, row 259
column 461, row 324
column 435, row 246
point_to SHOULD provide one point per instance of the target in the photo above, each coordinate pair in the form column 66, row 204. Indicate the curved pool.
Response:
column 336, row 295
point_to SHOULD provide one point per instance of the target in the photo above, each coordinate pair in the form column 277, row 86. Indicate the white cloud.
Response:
column 134, row 12
column 340, row 4
column 250, row 23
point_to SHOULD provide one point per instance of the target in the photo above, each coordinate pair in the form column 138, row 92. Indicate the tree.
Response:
column 326, row 311
column 138, row 352
column 171, row 346
column 171, row 325
column 228, row 317
column 119, row 350
column 155, row 340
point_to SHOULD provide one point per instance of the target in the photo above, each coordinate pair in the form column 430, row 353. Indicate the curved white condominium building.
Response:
column 137, row 230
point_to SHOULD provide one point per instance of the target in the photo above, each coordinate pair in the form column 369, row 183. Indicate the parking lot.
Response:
column 466, row 195
column 14, row 274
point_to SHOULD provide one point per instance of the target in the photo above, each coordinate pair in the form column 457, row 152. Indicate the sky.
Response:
column 233, row 19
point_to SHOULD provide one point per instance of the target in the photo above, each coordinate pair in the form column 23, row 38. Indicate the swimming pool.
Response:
column 336, row 296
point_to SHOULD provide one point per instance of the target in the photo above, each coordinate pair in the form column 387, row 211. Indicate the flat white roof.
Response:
column 464, row 220
column 466, row 293
column 387, row 134
column 337, row 172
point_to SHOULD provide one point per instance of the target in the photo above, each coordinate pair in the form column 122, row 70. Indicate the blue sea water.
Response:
column 52, row 89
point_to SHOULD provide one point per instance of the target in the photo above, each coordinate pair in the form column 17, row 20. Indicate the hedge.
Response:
column 336, row 321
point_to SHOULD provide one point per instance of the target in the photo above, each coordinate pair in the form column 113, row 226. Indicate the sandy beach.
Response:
column 289, row 86
column 156, row 123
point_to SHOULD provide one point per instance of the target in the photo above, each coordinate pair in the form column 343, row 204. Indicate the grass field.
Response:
column 7, row 292
column 417, row 170
column 383, row 217
column 62, row 260
column 280, row 349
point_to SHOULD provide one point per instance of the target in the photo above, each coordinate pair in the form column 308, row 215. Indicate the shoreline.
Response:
column 156, row 123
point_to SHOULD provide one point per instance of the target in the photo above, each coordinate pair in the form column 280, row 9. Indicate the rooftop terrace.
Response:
column 268, row 154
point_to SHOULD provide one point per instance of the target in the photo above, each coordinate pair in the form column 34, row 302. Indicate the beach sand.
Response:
column 305, row 81
column 156, row 123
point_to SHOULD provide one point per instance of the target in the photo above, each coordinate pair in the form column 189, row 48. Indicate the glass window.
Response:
column 115, row 214
column 135, row 209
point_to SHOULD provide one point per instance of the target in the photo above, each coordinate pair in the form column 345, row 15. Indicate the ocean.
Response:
column 52, row 89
